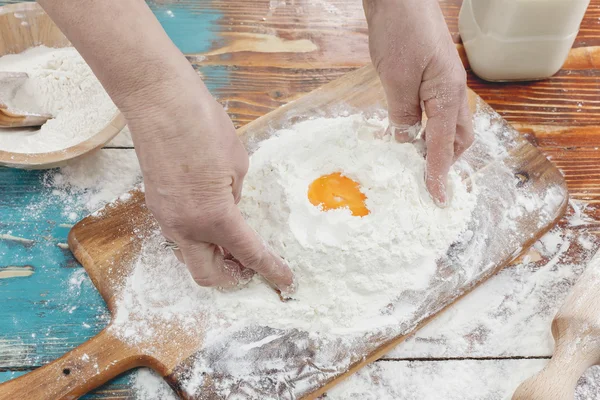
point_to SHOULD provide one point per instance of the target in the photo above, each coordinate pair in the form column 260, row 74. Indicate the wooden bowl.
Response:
column 26, row 25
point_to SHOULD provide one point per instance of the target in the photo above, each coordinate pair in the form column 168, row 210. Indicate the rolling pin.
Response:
column 576, row 331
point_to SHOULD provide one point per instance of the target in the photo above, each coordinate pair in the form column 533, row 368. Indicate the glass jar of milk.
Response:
column 517, row 40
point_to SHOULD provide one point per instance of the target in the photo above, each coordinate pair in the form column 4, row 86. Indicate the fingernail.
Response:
column 440, row 203
column 288, row 292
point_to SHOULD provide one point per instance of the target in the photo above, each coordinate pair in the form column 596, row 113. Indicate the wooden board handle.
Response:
column 84, row 368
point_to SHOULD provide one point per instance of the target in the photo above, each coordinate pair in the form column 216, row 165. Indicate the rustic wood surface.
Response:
column 576, row 331
column 107, row 244
column 560, row 115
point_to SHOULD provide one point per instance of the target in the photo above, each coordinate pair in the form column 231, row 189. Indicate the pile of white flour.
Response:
column 60, row 84
column 348, row 268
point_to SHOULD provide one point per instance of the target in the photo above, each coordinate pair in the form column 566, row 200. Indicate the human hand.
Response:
column 193, row 166
column 417, row 63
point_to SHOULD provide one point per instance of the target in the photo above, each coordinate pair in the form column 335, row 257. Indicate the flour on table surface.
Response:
column 62, row 85
column 414, row 380
column 95, row 180
column 148, row 385
column 450, row 380
column 511, row 314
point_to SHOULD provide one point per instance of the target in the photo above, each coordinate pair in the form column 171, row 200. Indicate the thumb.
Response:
column 208, row 266
column 252, row 252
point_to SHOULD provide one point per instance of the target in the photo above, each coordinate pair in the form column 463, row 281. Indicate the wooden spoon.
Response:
column 9, row 82
column 576, row 330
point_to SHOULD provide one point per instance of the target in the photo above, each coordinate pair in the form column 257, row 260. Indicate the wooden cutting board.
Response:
column 520, row 196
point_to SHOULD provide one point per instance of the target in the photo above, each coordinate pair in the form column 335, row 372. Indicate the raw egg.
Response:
column 336, row 191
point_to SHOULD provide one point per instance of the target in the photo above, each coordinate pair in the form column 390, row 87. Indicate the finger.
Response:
column 464, row 129
column 404, row 108
column 251, row 251
column 236, row 188
column 404, row 133
column 207, row 266
column 441, row 131
column 179, row 255
column 242, row 163
column 247, row 273
column 176, row 249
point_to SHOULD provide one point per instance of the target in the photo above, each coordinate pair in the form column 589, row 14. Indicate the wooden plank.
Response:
column 450, row 380
column 577, row 162
column 101, row 248
column 66, row 330
column 511, row 314
column 568, row 102
column 392, row 380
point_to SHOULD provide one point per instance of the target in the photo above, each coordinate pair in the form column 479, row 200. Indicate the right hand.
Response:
column 417, row 62
column 193, row 166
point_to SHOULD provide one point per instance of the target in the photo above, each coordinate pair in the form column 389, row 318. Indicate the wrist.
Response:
column 157, row 91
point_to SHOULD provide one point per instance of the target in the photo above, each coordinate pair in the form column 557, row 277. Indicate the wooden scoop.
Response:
column 9, row 82
column 576, row 330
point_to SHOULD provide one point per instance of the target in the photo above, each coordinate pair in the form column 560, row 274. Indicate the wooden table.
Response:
column 256, row 55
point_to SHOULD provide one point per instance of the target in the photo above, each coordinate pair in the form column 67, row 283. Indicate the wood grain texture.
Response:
column 196, row 28
column 576, row 330
column 107, row 242
column 77, row 372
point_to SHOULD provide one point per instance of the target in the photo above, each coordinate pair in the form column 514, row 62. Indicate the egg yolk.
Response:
column 336, row 191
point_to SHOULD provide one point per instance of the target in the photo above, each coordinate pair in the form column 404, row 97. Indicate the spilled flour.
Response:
column 348, row 268
column 62, row 85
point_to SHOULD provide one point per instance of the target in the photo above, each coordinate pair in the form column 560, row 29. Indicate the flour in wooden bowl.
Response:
column 348, row 268
column 60, row 84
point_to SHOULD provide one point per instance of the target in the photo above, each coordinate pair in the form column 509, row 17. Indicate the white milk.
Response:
column 514, row 40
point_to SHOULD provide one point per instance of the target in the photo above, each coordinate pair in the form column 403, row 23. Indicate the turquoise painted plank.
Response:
column 56, row 307
column 190, row 27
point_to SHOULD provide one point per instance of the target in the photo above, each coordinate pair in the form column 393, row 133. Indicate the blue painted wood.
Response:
column 57, row 303
column 56, row 307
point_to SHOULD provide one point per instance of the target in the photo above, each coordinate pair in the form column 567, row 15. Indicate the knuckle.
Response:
column 221, row 219
column 170, row 221
column 254, row 259
column 397, row 114
column 458, row 83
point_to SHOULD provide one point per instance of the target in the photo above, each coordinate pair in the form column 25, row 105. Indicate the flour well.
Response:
column 60, row 84
column 348, row 268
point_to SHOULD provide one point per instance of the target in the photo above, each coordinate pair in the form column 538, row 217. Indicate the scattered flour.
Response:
column 511, row 314
column 95, row 180
column 348, row 268
column 450, row 380
column 60, row 84
column 147, row 385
